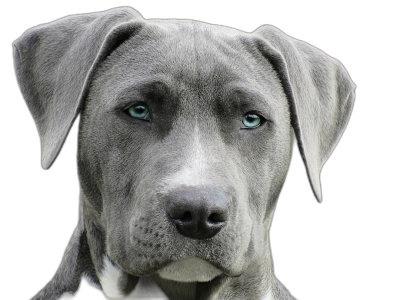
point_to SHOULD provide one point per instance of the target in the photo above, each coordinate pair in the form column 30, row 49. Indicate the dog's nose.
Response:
column 198, row 213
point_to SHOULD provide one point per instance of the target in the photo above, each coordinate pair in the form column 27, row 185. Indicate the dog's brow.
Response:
column 153, row 88
column 247, row 97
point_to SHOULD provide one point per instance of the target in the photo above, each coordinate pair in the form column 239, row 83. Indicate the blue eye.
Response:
column 139, row 112
column 251, row 120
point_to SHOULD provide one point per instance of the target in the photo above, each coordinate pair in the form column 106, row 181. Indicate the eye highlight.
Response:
column 251, row 120
column 139, row 112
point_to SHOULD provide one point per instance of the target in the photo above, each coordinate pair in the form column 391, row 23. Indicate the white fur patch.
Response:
column 191, row 269
column 109, row 278
column 268, row 296
column 193, row 172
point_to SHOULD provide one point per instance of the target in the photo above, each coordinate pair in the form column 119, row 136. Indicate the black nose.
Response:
column 198, row 213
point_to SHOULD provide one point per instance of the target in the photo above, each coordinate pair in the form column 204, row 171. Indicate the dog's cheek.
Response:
column 108, row 157
column 89, row 167
column 266, row 156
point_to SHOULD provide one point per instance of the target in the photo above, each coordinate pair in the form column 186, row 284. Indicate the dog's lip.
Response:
column 225, row 271
column 190, row 269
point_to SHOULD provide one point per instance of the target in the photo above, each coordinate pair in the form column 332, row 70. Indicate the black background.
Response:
column 331, row 250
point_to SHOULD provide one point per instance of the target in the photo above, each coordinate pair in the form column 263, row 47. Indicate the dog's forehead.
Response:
column 199, row 48
column 191, row 57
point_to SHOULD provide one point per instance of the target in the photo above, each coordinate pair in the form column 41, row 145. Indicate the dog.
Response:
column 185, row 139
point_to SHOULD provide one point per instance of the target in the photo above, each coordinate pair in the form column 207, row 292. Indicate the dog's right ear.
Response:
column 55, row 62
column 320, row 93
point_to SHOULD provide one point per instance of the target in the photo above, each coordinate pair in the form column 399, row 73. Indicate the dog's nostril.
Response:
column 216, row 218
column 179, row 215
column 187, row 217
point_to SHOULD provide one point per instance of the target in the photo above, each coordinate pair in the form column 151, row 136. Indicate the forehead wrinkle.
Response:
column 191, row 48
column 210, row 70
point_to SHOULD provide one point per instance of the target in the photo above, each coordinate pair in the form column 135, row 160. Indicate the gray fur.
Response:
column 198, row 81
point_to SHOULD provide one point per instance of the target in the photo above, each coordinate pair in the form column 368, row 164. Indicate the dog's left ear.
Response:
column 320, row 93
column 55, row 62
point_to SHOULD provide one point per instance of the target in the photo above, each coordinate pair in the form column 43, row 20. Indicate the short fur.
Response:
column 198, row 81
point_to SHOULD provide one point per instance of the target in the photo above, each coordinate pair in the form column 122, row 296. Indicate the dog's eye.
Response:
column 139, row 112
column 251, row 120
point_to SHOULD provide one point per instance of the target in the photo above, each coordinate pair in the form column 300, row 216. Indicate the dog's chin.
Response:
column 191, row 269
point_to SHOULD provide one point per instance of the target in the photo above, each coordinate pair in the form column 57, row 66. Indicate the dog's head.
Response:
column 186, row 131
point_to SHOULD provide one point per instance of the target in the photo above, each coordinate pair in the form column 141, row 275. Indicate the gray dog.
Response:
column 185, row 139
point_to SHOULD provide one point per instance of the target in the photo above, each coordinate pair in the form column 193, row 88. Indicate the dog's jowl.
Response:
column 185, row 140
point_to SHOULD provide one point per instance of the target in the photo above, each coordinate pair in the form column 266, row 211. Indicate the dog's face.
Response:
column 184, row 143
column 187, row 118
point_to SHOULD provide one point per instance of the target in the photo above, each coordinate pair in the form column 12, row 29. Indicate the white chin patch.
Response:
column 192, row 269
column 109, row 277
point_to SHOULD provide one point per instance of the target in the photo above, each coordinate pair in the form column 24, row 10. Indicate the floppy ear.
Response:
column 55, row 62
column 320, row 93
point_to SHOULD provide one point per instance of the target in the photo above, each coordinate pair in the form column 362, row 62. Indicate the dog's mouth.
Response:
column 154, row 249
column 191, row 269
column 186, row 269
